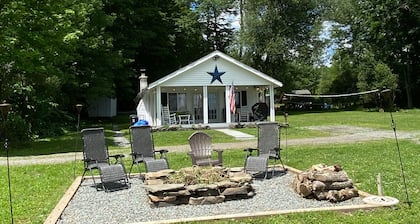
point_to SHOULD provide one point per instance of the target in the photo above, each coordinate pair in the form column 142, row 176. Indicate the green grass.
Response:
column 37, row 189
column 406, row 120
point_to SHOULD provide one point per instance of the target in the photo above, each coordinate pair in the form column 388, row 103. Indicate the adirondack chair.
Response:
column 201, row 150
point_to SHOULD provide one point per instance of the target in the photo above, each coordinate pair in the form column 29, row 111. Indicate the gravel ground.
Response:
column 131, row 205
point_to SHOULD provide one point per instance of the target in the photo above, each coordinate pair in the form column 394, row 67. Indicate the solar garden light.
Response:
column 79, row 109
column 5, row 108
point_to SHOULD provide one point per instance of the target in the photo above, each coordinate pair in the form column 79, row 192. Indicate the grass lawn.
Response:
column 36, row 189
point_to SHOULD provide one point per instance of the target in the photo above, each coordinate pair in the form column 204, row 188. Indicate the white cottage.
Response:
column 199, row 93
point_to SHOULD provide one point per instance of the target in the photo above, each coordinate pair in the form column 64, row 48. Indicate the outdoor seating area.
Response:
column 262, row 196
column 257, row 183
column 143, row 152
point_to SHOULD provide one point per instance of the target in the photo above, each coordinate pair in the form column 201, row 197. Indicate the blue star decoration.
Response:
column 216, row 75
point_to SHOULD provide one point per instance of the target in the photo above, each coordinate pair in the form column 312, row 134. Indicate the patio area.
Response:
column 83, row 204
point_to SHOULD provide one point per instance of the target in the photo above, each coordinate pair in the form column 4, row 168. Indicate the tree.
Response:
column 43, row 43
column 278, row 33
column 389, row 30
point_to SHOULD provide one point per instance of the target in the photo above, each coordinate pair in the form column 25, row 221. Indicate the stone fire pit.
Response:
column 197, row 186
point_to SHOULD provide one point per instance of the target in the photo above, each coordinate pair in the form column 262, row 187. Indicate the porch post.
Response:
column 158, row 106
column 227, row 104
column 272, row 110
column 205, row 106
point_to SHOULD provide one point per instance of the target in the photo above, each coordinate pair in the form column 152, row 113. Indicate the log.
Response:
column 325, row 186
column 333, row 196
column 304, row 189
column 318, row 185
column 348, row 193
column 330, row 176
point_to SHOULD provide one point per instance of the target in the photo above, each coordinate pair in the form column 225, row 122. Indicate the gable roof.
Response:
column 210, row 56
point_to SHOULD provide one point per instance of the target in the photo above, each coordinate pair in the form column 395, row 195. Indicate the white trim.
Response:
column 272, row 107
column 205, row 105
column 158, row 106
column 227, row 104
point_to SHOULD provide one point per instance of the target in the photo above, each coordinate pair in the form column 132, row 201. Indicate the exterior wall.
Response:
column 102, row 107
column 198, row 76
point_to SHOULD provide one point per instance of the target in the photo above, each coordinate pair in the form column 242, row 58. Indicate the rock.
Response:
column 236, row 191
column 198, row 187
column 206, row 200
column 164, row 187
column 240, row 177
column 162, row 174
column 154, row 182
column 178, row 193
column 226, row 184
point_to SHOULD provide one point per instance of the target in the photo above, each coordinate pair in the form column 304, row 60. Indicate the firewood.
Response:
column 330, row 176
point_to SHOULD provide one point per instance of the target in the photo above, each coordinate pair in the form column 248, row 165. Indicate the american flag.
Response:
column 232, row 99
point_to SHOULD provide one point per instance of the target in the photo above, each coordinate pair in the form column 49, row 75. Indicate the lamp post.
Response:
column 5, row 108
column 79, row 109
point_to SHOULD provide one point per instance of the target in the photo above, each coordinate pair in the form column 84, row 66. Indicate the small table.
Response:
column 184, row 118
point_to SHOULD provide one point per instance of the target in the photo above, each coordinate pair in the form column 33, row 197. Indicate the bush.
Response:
column 15, row 129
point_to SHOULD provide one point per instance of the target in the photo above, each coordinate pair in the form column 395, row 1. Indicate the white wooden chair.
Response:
column 168, row 118
column 244, row 114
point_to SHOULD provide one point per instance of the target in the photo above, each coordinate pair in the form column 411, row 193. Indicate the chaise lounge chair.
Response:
column 143, row 150
column 268, row 147
column 95, row 156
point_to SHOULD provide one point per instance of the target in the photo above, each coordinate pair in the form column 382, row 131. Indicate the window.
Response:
column 241, row 99
column 176, row 101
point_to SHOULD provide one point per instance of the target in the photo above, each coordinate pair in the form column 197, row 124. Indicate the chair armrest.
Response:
column 250, row 150
column 117, row 157
column 162, row 153
column 277, row 149
column 218, row 150
column 88, row 160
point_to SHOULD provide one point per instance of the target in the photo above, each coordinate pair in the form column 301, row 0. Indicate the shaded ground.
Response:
column 339, row 134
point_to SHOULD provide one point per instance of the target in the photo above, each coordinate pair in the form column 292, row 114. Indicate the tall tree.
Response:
column 387, row 32
column 278, row 33
column 42, row 43
column 214, row 17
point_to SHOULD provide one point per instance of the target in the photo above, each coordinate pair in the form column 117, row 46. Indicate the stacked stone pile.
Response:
column 325, row 183
column 197, row 186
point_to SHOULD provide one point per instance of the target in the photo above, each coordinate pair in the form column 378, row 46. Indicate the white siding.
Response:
column 198, row 75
